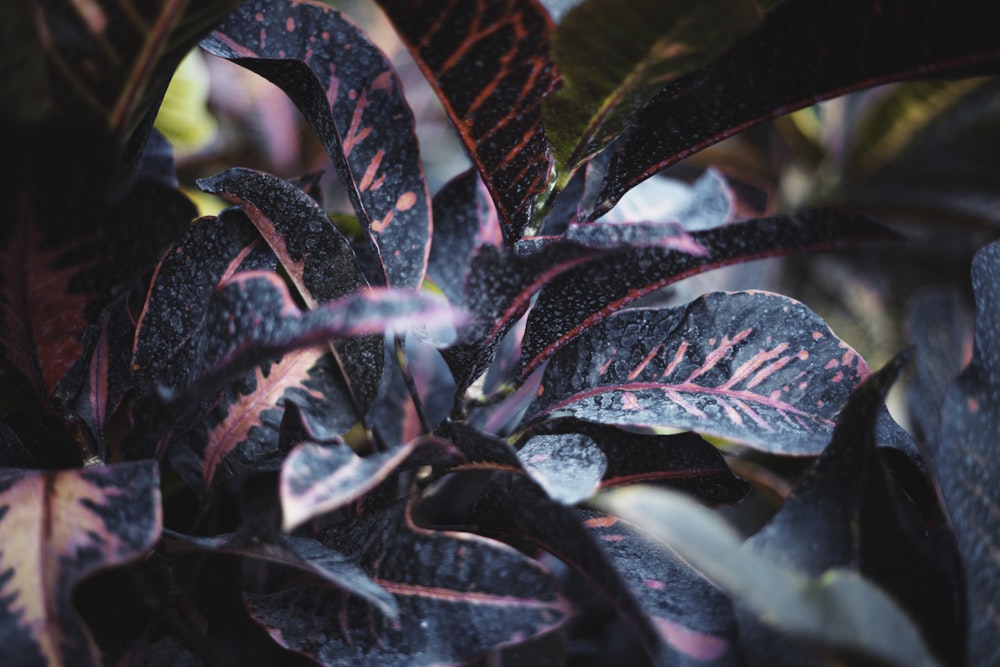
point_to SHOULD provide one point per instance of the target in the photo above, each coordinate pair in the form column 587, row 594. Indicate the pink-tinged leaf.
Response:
column 568, row 466
column 752, row 367
column 460, row 597
column 316, row 479
column 584, row 295
column 965, row 466
column 490, row 65
column 56, row 529
column 347, row 91
column 805, row 51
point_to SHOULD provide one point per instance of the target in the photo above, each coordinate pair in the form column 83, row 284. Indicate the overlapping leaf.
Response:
column 965, row 464
column 347, row 91
column 489, row 64
column 460, row 596
column 804, row 52
column 754, row 367
column 56, row 529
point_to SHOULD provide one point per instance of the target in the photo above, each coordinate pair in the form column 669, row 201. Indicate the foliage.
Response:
column 486, row 426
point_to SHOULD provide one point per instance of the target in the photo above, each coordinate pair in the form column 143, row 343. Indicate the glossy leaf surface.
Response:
column 489, row 64
column 56, row 529
column 480, row 594
column 569, row 466
column 347, row 91
column 752, row 367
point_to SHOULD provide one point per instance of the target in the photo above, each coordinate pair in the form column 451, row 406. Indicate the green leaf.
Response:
column 839, row 613
column 614, row 56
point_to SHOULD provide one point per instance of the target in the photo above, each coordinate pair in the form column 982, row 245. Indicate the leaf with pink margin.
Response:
column 347, row 91
column 752, row 367
column 56, row 529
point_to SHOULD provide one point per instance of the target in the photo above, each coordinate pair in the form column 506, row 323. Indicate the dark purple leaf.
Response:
column 806, row 51
column 316, row 479
column 347, row 91
column 582, row 296
column 490, row 65
column 479, row 447
column 568, row 466
column 753, row 367
column 460, row 597
column 965, row 465
column 57, row 529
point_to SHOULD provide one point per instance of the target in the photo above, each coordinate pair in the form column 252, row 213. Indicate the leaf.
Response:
column 804, row 52
column 481, row 594
column 56, row 529
column 569, row 466
column 612, row 59
column 582, row 296
column 316, row 479
column 347, row 91
column 490, row 66
column 964, row 466
column 708, row 202
column 844, row 616
column 301, row 553
column 752, row 367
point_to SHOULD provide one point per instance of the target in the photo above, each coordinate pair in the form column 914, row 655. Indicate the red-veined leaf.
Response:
column 584, row 295
column 481, row 594
column 56, row 529
column 753, row 367
column 805, row 51
column 489, row 64
column 965, row 466
column 316, row 479
column 347, row 91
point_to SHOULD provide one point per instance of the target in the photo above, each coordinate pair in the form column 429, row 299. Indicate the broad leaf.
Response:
column 752, row 367
column 965, row 465
column 805, row 51
column 840, row 614
column 56, row 529
column 613, row 57
column 347, row 91
column 568, row 466
column 584, row 295
column 490, row 66
column 460, row 596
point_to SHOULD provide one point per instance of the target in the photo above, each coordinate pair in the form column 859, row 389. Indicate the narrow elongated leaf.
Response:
column 583, row 296
column 804, row 52
column 347, row 91
column 613, row 57
column 754, row 367
column 489, row 64
column 56, row 529
column 841, row 614
column 965, row 466
column 481, row 594
column 316, row 479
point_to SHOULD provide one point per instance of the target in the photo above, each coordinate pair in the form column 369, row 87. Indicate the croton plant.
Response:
column 483, row 425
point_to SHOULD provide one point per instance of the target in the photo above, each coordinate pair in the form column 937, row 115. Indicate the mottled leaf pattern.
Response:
column 804, row 52
column 569, row 466
column 346, row 89
column 753, row 367
column 56, row 529
column 489, row 63
column 480, row 594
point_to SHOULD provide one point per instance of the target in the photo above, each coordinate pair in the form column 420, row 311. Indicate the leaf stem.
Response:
column 411, row 385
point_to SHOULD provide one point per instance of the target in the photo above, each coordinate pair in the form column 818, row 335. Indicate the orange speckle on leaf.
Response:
column 290, row 24
column 406, row 201
column 601, row 522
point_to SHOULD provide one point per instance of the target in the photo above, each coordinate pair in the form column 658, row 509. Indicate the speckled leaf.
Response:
column 479, row 448
column 569, row 466
column 464, row 219
column 301, row 553
column 843, row 616
column 752, row 367
column 56, row 529
column 614, row 57
column 678, row 618
column 805, row 51
column 583, row 296
column 460, row 597
column 347, row 91
column 489, row 63
column 316, row 479
column 965, row 464
column 318, row 259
